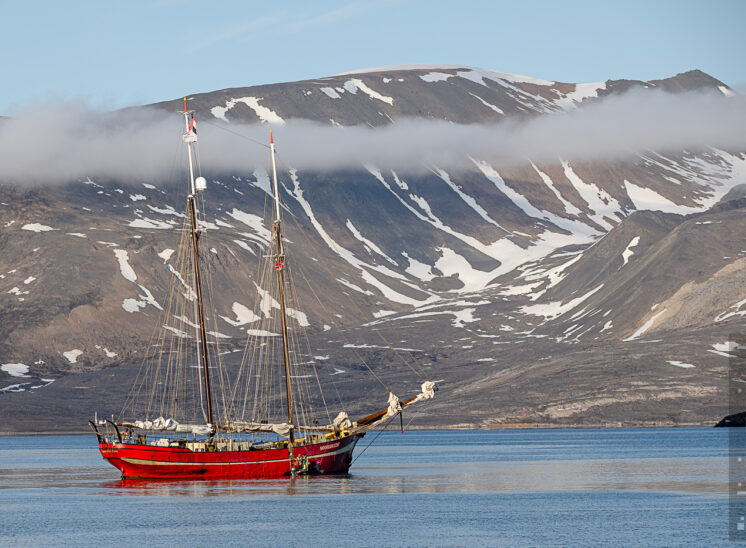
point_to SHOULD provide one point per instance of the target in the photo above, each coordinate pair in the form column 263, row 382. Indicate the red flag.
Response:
column 280, row 264
column 193, row 125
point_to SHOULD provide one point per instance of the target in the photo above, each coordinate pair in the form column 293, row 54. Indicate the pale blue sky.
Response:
column 127, row 53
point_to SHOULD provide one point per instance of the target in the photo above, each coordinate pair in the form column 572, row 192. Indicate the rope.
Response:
column 385, row 425
column 421, row 373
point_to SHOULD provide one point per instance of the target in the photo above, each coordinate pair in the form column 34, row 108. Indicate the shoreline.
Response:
column 513, row 426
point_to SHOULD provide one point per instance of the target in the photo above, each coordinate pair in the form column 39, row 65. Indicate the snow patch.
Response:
column 245, row 246
column 367, row 243
column 581, row 92
column 15, row 369
column 349, row 345
column 168, row 210
column 627, row 253
column 555, row 309
column 647, row 325
column 166, row 254
column 569, row 207
column 462, row 316
column 736, row 312
column 348, row 256
column 488, row 105
column 149, row 223
column 124, row 265
column 299, row 316
column 265, row 114
column 72, row 355
column 680, row 364
column 354, row 287
column 419, row 270
column 331, row 93
column 243, row 315
column 261, row 333
column 469, row 200
column 132, row 305
column 178, row 332
column 724, row 349
column 646, row 198
column 519, row 289
column 355, row 84
column 576, row 228
column 436, row 76
column 600, row 202
column 15, row 387
column 253, row 221
column 451, row 263
column 36, row 227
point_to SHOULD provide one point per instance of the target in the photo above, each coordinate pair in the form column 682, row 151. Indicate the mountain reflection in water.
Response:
column 445, row 488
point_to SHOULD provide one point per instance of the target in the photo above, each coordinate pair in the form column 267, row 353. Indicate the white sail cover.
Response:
column 342, row 421
column 283, row 429
column 170, row 425
column 428, row 391
column 394, row 405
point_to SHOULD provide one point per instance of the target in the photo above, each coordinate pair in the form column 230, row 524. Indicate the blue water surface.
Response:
column 615, row 487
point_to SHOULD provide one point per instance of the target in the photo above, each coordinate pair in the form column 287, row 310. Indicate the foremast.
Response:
column 195, row 186
column 280, row 269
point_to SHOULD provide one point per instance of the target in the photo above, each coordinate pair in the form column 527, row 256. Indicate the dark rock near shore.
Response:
column 735, row 420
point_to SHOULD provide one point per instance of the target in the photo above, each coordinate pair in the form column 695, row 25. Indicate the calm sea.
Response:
column 620, row 487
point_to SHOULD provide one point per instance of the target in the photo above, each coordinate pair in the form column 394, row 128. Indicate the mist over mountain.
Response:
column 526, row 119
column 549, row 252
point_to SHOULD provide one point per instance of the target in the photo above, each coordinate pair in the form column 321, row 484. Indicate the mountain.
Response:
column 564, row 292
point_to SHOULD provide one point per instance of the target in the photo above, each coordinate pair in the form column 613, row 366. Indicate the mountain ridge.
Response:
column 526, row 264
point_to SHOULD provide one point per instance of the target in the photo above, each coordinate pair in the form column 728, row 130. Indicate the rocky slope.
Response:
column 565, row 292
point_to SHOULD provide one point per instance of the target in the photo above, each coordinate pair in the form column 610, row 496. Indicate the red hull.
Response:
column 147, row 461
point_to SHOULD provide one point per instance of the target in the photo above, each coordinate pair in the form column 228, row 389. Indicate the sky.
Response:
column 111, row 55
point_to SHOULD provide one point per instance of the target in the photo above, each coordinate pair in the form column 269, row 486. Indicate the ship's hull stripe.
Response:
column 149, row 462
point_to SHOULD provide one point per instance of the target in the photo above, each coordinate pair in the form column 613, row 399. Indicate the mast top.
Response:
column 274, row 176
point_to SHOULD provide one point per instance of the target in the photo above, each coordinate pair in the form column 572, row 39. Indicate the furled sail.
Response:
column 170, row 425
column 283, row 428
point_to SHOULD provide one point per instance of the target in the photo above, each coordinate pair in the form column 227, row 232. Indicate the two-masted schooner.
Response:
column 189, row 425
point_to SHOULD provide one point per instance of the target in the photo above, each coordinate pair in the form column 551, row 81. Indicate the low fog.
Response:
column 58, row 143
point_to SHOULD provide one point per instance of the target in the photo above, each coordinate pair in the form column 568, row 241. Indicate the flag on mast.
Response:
column 193, row 125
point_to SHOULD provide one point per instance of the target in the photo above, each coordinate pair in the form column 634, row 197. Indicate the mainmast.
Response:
column 195, row 186
column 280, row 269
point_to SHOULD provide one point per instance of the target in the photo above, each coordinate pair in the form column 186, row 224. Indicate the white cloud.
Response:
column 77, row 141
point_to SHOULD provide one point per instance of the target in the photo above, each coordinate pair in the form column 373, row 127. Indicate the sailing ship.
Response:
column 185, row 425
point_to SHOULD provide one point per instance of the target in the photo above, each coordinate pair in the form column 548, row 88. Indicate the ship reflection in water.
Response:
column 686, row 475
column 511, row 461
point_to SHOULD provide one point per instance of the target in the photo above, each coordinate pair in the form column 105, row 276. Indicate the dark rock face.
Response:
column 550, row 293
column 731, row 421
